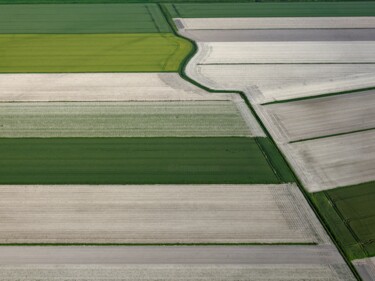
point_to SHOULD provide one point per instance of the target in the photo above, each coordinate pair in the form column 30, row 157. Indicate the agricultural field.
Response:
column 157, row 214
column 101, row 87
column 81, row 18
column 321, row 117
column 277, row 263
column 366, row 267
column 122, row 119
column 22, row 53
column 355, row 205
column 133, row 161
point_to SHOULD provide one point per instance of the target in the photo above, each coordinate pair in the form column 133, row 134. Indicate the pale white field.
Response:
column 157, row 214
column 276, row 23
column 100, row 87
column 289, row 52
column 335, row 161
column 366, row 268
column 268, row 83
column 127, row 119
column 157, row 272
column 318, row 117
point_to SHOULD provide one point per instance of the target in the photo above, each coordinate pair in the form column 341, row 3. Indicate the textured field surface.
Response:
column 122, row 119
column 91, row 52
column 133, row 160
column 356, row 206
column 277, row 23
column 239, row 263
column 156, row 214
column 78, row 18
column 289, row 52
column 335, row 161
column 101, row 87
column 268, row 83
column 366, row 268
column 320, row 9
column 318, row 117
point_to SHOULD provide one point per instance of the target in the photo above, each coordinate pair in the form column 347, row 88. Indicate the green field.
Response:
column 350, row 212
column 121, row 119
column 133, row 161
column 78, row 18
column 310, row 9
column 92, row 53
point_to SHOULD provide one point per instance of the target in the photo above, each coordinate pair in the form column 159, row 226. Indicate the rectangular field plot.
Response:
column 184, row 263
column 122, row 119
column 335, row 161
column 91, row 53
column 268, row 83
column 133, row 160
column 289, row 52
column 101, row 87
column 156, row 214
column 318, row 117
column 356, row 206
column 366, row 268
column 309, row 9
column 81, row 18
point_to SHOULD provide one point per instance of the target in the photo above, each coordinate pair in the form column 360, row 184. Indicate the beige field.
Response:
column 276, row 23
column 100, row 87
column 268, row 83
column 289, row 52
column 157, row 214
column 313, row 118
column 366, row 268
column 335, row 161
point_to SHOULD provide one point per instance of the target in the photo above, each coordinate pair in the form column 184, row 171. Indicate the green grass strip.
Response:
column 82, row 18
column 231, row 160
column 291, row 9
column 148, row 52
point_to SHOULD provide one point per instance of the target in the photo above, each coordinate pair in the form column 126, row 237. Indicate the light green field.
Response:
column 145, row 52
column 81, row 18
column 121, row 119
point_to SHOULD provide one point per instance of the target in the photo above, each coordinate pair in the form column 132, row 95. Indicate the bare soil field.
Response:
column 366, row 268
column 299, row 120
column 268, row 83
column 174, row 263
column 100, row 87
column 126, row 119
column 335, row 161
column 275, row 23
column 157, row 214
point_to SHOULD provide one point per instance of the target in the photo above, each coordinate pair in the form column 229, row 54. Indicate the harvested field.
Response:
column 123, row 119
column 312, row 118
column 335, row 161
column 133, row 161
column 288, row 52
column 157, row 214
column 275, row 23
column 81, row 18
column 268, row 83
column 101, row 87
column 91, row 53
column 366, row 268
column 305, row 9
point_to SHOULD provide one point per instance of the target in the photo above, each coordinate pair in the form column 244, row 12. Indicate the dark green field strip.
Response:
column 350, row 214
column 276, row 160
column 81, row 18
column 311, row 9
column 133, row 161
column 146, row 52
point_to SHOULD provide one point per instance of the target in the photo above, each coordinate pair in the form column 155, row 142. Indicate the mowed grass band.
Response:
column 133, row 161
column 44, row 53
